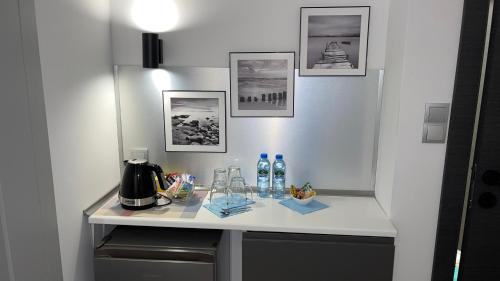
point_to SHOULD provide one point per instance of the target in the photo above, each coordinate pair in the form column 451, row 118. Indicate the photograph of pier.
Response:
column 333, row 42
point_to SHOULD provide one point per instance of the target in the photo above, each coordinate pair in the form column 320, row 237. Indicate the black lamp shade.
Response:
column 152, row 50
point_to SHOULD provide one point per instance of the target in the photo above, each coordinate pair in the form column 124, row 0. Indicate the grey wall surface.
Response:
column 29, row 248
column 208, row 30
column 329, row 142
column 75, row 55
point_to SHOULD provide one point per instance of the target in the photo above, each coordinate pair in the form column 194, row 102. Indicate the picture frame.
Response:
column 194, row 121
column 262, row 84
column 334, row 41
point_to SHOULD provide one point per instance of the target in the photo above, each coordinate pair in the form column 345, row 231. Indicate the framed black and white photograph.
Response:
column 262, row 84
column 195, row 121
column 334, row 41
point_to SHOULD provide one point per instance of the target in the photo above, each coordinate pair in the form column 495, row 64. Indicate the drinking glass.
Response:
column 220, row 175
column 239, row 191
column 219, row 185
column 233, row 171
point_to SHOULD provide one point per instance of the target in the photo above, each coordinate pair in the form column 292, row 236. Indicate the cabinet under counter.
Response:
column 269, row 256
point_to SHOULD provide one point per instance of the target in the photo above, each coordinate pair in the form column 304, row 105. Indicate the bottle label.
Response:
column 262, row 172
column 279, row 174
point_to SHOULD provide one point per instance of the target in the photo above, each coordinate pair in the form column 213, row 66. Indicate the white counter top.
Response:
column 360, row 216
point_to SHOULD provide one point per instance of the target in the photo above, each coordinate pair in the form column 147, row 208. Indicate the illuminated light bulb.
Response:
column 155, row 15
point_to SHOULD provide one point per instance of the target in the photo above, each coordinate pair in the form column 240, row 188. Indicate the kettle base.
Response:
column 137, row 204
column 137, row 208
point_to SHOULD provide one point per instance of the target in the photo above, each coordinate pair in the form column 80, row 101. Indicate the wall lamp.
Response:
column 152, row 50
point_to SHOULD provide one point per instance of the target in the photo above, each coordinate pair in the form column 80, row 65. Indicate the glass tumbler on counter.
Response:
column 239, row 191
column 233, row 171
column 230, row 195
column 218, row 190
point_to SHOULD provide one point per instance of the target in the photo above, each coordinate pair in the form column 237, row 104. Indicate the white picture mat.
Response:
column 235, row 57
column 364, row 12
column 167, row 117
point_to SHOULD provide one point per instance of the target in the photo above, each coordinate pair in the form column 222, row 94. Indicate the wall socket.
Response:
column 139, row 153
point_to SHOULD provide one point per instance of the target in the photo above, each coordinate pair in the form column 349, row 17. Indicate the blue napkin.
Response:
column 235, row 201
column 303, row 209
column 238, row 205
column 217, row 210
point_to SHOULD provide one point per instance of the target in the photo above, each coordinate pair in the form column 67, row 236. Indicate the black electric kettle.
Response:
column 138, row 187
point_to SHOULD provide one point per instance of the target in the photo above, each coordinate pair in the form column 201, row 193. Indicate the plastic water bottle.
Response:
column 279, row 176
column 263, row 175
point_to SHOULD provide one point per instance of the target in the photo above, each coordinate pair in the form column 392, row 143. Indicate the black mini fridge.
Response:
column 154, row 253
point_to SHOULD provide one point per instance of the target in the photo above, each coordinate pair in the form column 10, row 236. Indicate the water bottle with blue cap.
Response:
column 279, row 175
column 263, row 175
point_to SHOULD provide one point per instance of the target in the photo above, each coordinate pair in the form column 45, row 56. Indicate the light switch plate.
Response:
column 435, row 133
column 435, row 122
column 437, row 114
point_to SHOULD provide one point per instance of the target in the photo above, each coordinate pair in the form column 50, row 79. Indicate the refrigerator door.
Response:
column 146, row 254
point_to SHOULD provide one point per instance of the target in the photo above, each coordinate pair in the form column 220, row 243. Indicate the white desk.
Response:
column 347, row 215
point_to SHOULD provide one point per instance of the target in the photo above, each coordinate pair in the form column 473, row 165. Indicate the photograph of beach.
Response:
column 262, row 84
column 195, row 121
column 333, row 41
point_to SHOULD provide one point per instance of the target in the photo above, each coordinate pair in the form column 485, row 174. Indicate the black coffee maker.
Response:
column 138, row 187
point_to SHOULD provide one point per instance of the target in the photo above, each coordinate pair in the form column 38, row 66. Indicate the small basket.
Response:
column 182, row 189
column 181, row 197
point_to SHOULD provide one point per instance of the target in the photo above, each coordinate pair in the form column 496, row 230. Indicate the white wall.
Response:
column 208, row 30
column 421, row 59
column 29, row 243
column 75, row 52
column 395, row 49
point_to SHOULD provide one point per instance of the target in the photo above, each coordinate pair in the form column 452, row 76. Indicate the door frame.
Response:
column 460, row 136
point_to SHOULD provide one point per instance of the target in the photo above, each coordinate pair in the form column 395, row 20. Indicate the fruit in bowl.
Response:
column 303, row 195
